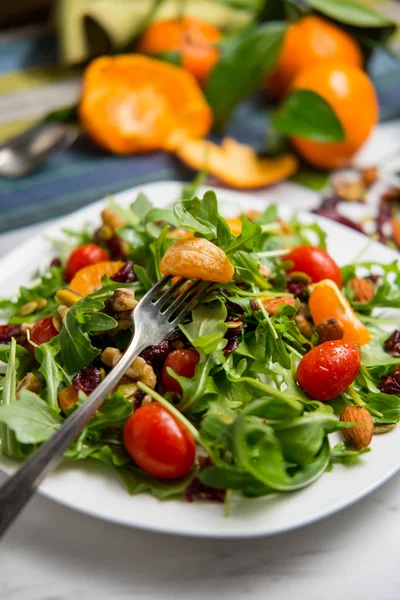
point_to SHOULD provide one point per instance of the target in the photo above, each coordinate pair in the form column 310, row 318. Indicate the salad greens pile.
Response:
column 256, row 430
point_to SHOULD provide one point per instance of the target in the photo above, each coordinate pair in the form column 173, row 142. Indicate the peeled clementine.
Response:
column 193, row 38
column 134, row 103
column 88, row 280
column 327, row 301
column 350, row 93
column 309, row 42
column 197, row 258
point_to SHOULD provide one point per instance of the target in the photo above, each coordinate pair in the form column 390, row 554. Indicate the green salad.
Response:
column 285, row 349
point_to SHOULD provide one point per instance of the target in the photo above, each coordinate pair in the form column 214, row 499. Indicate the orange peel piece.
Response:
column 236, row 164
column 327, row 301
column 133, row 103
column 88, row 280
column 197, row 258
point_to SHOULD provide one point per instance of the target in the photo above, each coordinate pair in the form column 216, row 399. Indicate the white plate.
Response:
column 92, row 489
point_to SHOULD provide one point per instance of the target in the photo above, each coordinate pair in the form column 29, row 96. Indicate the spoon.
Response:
column 28, row 151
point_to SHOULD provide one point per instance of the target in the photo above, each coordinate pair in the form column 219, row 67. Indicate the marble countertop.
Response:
column 53, row 553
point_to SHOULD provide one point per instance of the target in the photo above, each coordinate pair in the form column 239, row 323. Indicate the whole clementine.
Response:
column 192, row 37
column 311, row 41
column 350, row 93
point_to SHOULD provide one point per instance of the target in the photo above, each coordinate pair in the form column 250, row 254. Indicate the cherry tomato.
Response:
column 158, row 443
column 83, row 256
column 42, row 332
column 183, row 362
column 316, row 263
column 328, row 369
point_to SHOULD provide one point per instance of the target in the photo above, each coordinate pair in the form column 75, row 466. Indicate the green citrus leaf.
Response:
column 306, row 114
column 351, row 13
column 246, row 58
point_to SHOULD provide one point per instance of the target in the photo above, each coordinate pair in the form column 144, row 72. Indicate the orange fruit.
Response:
column 309, row 42
column 67, row 398
column 192, row 37
column 134, row 103
column 352, row 96
column 327, row 301
column 197, row 258
column 88, row 279
column 235, row 225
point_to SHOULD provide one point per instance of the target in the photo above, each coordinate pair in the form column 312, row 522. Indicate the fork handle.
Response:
column 18, row 488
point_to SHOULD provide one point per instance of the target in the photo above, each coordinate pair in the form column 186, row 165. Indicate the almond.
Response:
column 272, row 305
column 330, row 329
column 359, row 436
column 363, row 290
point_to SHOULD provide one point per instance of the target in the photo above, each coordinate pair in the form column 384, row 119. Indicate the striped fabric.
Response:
column 30, row 86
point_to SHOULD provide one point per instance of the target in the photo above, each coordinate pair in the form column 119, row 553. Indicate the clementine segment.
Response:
column 134, row 103
column 193, row 38
column 309, row 42
column 326, row 302
column 351, row 94
column 88, row 279
column 197, row 258
column 235, row 225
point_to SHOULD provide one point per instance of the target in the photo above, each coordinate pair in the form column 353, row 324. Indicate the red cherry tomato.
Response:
column 316, row 263
column 183, row 362
column 42, row 332
column 158, row 443
column 83, row 256
column 328, row 369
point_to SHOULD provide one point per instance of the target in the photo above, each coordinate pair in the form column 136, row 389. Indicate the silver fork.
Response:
column 154, row 317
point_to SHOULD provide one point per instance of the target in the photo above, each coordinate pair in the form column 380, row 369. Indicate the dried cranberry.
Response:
column 56, row 262
column 126, row 274
column 156, row 355
column 296, row 288
column 375, row 279
column 392, row 344
column 254, row 305
column 87, row 379
column 114, row 246
column 391, row 383
column 384, row 216
column 234, row 331
column 231, row 346
column 138, row 399
column 198, row 490
column 11, row 331
column 329, row 210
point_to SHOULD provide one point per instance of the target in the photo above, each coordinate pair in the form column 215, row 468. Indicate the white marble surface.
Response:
column 52, row 553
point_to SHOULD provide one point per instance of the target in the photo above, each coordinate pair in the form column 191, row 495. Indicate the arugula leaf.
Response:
column 45, row 287
column 258, row 450
column 137, row 482
column 302, row 438
column 31, row 418
column 345, row 454
column 23, row 360
column 208, row 327
column 201, row 216
column 9, row 445
column 114, row 413
column 51, row 370
column 141, row 206
column 245, row 60
column 307, row 114
column 77, row 350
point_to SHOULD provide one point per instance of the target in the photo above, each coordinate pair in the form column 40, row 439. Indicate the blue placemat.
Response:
column 85, row 173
